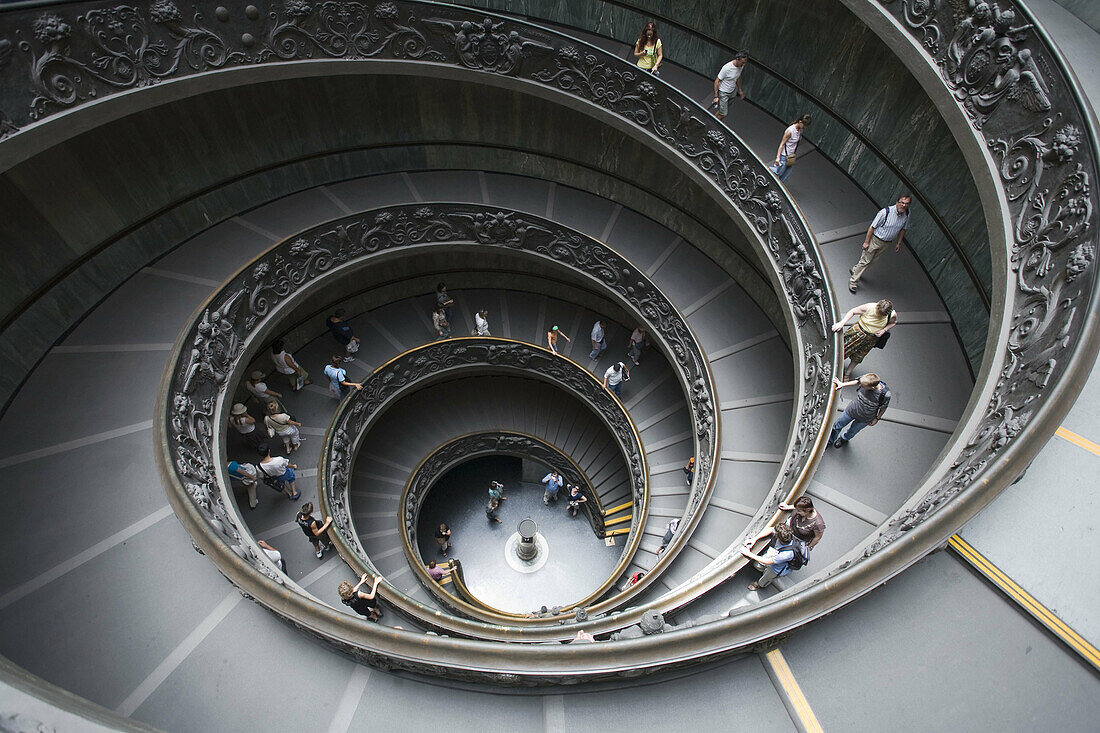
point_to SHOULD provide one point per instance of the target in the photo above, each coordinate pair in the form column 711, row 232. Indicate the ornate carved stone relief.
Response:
column 1019, row 101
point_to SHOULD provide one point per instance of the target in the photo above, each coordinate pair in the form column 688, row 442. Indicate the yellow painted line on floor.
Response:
column 806, row 720
column 1078, row 441
column 1013, row 590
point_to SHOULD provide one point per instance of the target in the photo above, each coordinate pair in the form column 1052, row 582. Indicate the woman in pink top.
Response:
column 788, row 146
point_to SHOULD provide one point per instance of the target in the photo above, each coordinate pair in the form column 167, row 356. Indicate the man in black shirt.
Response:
column 872, row 399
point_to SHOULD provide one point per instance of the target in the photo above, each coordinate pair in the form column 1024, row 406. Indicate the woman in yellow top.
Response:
column 647, row 49
column 875, row 320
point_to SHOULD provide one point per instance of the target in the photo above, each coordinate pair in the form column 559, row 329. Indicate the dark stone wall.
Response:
column 822, row 48
column 130, row 190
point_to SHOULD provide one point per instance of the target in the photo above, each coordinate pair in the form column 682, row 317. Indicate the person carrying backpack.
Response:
column 785, row 554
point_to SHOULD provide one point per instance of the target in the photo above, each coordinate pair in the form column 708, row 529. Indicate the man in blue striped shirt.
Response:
column 888, row 227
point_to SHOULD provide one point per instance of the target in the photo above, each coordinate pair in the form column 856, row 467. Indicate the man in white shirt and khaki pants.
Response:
column 888, row 227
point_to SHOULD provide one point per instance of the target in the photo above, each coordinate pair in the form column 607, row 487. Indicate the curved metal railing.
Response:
column 485, row 443
column 292, row 269
column 454, row 358
column 233, row 322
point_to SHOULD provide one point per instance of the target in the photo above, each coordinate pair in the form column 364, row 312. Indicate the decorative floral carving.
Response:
column 118, row 51
column 163, row 11
column 487, row 46
column 992, row 57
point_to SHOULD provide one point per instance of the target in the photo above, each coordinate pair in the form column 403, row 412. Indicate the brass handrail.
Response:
column 411, row 554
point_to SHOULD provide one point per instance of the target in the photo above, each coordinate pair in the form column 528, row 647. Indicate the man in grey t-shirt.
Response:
column 599, row 343
column 872, row 399
column 728, row 83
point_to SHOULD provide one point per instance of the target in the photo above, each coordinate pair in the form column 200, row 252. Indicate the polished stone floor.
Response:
column 577, row 561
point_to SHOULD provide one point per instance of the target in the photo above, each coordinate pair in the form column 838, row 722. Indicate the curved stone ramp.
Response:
column 657, row 407
column 423, row 422
column 108, row 541
column 728, row 325
column 928, row 394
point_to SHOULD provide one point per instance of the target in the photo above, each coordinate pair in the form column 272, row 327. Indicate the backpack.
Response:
column 801, row 554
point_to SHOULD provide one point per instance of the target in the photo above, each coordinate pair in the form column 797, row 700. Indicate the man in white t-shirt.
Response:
column 275, row 556
column 481, row 321
column 728, row 83
column 614, row 377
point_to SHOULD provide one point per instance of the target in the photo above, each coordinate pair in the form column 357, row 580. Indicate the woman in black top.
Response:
column 576, row 498
column 313, row 529
column 359, row 601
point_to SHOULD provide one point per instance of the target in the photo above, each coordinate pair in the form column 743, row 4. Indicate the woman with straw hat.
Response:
column 245, row 424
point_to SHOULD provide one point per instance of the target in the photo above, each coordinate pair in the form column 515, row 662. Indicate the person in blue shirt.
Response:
column 776, row 561
column 553, row 481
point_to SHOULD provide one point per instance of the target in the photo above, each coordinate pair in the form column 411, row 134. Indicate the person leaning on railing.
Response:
column 805, row 521
column 869, row 332
column 359, row 601
column 338, row 382
column 776, row 560
column 314, row 531
column 438, row 572
column 872, row 399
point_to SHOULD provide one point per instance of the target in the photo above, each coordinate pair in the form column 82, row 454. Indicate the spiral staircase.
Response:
column 560, row 189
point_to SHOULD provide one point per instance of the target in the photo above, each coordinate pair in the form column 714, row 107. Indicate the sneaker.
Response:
column 851, row 288
column 546, row 500
column 840, row 443
column 328, row 546
column 320, row 554
column 349, row 358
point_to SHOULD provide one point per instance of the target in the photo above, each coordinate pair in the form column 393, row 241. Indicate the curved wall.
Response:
column 858, row 78
column 129, row 190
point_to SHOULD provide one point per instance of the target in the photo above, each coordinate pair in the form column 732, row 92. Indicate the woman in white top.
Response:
column 256, row 386
column 285, row 364
column 637, row 341
column 481, row 320
column 788, row 146
column 245, row 424
column 248, row 475
column 279, row 423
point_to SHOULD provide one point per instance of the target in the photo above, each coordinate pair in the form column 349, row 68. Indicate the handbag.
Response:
column 880, row 343
column 269, row 480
